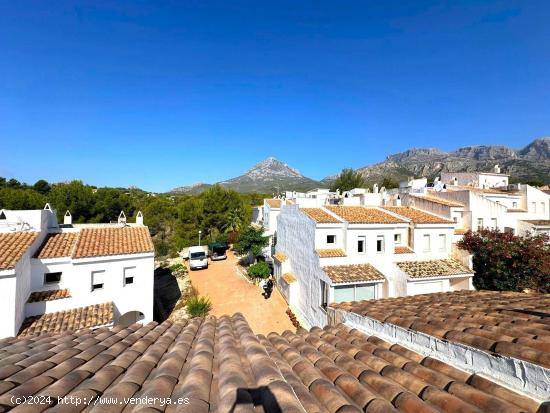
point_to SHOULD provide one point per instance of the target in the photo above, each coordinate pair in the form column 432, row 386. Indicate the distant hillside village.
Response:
column 330, row 247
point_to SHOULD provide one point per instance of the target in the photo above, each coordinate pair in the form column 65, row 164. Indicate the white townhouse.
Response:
column 57, row 277
column 345, row 253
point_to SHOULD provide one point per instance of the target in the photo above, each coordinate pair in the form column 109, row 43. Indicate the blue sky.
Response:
column 160, row 94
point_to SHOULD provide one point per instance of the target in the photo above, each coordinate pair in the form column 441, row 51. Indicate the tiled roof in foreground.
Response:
column 49, row 295
column 331, row 252
column 74, row 319
column 220, row 366
column 353, row 273
column 508, row 323
column 94, row 242
column 12, row 247
column 433, row 268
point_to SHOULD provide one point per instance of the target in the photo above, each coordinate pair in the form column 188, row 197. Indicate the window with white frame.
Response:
column 543, row 207
column 52, row 277
column 514, row 204
column 98, row 280
column 129, row 274
column 534, row 207
column 331, row 239
column 354, row 292
column 479, row 224
column 442, row 242
column 426, row 242
column 494, row 223
column 380, row 243
column 361, row 244
column 397, row 238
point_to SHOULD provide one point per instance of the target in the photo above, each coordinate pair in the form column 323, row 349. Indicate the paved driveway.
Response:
column 231, row 293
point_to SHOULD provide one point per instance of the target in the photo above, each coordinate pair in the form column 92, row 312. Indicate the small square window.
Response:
column 129, row 274
column 442, row 242
column 129, row 280
column 427, row 243
column 331, row 239
column 397, row 238
column 361, row 241
column 52, row 278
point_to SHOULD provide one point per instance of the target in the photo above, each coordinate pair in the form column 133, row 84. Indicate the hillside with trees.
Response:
column 173, row 220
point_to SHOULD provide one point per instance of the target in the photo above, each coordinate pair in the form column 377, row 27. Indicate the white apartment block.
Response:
column 56, row 277
column 345, row 253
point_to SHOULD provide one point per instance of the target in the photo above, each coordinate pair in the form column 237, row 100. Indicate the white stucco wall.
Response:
column 77, row 277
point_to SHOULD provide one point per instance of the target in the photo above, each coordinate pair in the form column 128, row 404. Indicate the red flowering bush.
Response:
column 507, row 262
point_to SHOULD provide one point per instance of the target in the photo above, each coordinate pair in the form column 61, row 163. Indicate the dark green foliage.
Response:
column 42, row 187
column 198, row 306
column 347, row 180
column 75, row 197
column 506, row 262
column 259, row 270
column 251, row 241
column 14, row 198
column 389, row 183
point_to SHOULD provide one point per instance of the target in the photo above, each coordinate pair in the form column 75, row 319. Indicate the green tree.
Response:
column 507, row 262
column 16, row 198
column 390, row 183
column 348, row 179
column 42, row 187
column 251, row 241
column 234, row 221
column 108, row 202
column 218, row 203
column 75, row 197
column 259, row 270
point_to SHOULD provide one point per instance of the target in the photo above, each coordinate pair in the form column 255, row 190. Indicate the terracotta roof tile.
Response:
column 220, row 365
column 539, row 222
column 353, row 273
column 419, row 217
column 460, row 231
column 289, row 278
column 399, row 249
column 12, row 247
column 320, row 216
column 58, row 245
column 364, row 215
column 49, row 295
column 509, row 323
column 274, row 203
column 516, row 210
column 433, row 268
column 113, row 241
column 75, row 319
column 279, row 256
column 439, row 200
column 331, row 252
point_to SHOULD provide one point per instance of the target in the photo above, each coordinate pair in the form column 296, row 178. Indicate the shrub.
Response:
column 507, row 262
column 259, row 270
column 198, row 306
column 178, row 270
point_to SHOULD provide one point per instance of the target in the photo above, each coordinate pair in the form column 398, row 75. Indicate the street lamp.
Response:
column 200, row 238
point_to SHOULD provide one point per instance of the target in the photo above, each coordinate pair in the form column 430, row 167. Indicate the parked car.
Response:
column 217, row 251
column 198, row 257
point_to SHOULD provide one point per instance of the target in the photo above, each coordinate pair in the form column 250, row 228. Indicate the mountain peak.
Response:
column 272, row 168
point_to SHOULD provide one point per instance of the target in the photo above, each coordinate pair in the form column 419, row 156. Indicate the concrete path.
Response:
column 230, row 293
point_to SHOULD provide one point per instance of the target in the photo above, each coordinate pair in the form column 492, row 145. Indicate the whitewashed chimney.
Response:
column 139, row 218
column 375, row 188
column 68, row 218
column 398, row 201
column 497, row 169
column 454, row 182
column 47, row 207
column 122, row 218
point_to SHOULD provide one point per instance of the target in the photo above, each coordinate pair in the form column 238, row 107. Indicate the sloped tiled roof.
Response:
column 460, row 231
column 331, row 252
column 441, row 201
column 58, row 245
column 417, row 216
column 74, row 319
column 274, row 203
column 508, row 323
column 49, row 295
column 433, row 268
column 539, row 222
column 289, row 278
column 353, row 273
column 12, row 247
column 364, row 215
column 516, row 210
column 219, row 365
column 400, row 249
column 94, row 242
column 279, row 256
column 320, row 216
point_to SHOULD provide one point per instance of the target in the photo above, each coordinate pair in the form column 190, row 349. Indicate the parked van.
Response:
column 198, row 258
column 217, row 250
